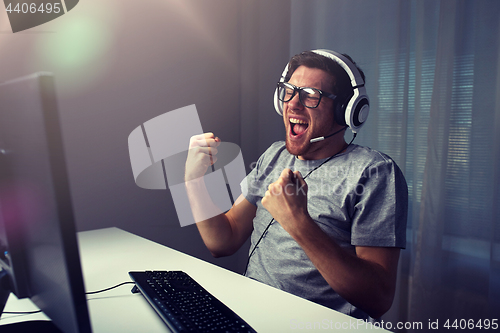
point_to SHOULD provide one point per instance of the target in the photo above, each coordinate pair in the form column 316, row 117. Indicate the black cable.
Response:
column 87, row 293
column 103, row 290
column 272, row 220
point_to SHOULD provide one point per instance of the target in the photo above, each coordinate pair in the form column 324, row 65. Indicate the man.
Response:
column 326, row 219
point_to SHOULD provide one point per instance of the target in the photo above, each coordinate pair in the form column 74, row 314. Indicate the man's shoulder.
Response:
column 276, row 147
column 369, row 156
column 275, row 150
column 373, row 161
column 272, row 156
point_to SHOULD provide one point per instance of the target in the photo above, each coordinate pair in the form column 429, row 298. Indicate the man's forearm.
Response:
column 362, row 282
column 213, row 225
column 222, row 233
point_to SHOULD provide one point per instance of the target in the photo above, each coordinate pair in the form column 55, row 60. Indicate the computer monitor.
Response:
column 39, row 254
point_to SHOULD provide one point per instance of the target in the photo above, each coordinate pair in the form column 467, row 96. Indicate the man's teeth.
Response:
column 298, row 126
column 297, row 121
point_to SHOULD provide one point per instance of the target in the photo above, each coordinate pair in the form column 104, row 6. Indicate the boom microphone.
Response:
column 321, row 138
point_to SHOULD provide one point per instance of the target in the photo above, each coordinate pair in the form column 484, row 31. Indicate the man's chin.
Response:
column 297, row 149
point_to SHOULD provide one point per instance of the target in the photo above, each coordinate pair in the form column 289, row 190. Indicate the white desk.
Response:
column 108, row 255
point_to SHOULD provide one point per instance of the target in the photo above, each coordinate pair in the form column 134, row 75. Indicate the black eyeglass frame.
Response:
column 299, row 89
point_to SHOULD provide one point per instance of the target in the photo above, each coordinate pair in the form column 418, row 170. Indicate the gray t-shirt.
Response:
column 358, row 198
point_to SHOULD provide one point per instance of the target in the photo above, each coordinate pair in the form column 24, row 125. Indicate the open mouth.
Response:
column 298, row 127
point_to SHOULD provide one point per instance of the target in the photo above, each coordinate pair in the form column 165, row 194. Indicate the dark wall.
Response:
column 119, row 63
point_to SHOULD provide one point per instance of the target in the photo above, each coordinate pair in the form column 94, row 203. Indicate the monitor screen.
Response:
column 39, row 250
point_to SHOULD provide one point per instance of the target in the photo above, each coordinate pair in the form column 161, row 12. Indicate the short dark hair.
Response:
column 341, row 82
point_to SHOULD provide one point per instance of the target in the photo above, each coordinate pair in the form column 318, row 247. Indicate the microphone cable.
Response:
column 272, row 220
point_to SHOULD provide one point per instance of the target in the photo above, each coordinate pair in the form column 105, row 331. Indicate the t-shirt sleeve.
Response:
column 252, row 187
column 248, row 184
column 381, row 207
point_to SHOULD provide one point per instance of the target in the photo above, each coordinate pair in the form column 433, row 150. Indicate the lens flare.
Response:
column 80, row 43
column 80, row 47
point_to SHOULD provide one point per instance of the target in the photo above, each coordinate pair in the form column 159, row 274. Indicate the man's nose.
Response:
column 295, row 101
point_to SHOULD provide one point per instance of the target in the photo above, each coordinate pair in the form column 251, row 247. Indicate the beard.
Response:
column 295, row 149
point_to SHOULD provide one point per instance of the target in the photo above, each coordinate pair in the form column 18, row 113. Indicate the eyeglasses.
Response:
column 309, row 97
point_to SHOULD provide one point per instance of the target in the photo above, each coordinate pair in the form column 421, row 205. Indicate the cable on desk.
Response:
column 103, row 290
column 87, row 293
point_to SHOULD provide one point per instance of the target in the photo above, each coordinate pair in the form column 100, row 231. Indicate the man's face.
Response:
column 303, row 124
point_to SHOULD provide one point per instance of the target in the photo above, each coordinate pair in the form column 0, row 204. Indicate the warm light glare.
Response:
column 79, row 42
column 79, row 47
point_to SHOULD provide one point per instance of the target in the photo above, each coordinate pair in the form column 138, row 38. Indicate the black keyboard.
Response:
column 184, row 305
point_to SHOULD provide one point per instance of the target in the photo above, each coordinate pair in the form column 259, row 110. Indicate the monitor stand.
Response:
column 4, row 289
column 32, row 326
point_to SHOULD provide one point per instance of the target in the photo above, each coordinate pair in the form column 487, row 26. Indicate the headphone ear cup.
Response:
column 357, row 111
column 360, row 112
column 278, row 105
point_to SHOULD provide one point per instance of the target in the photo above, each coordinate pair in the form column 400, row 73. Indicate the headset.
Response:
column 351, row 112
